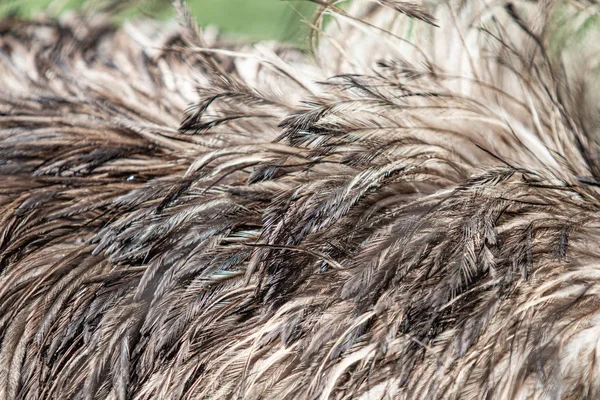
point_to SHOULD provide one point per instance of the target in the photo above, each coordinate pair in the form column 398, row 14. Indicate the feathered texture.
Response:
column 412, row 211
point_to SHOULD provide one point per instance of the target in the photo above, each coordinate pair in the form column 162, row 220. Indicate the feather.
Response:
column 410, row 211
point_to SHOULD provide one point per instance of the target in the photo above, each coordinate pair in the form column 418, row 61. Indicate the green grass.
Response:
column 260, row 19
column 255, row 19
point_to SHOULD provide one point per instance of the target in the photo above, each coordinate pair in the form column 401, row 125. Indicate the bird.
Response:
column 406, row 208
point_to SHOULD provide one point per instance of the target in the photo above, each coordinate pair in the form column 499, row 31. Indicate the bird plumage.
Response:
column 408, row 211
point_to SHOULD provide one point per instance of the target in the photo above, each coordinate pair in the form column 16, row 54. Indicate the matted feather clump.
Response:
column 411, row 210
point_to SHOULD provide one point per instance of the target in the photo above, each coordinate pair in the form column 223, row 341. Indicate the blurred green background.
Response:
column 254, row 19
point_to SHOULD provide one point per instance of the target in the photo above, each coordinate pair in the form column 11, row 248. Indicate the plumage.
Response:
column 410, row 210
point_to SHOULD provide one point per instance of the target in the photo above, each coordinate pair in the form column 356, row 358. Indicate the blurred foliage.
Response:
column 255, row 19
column 574, row 27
